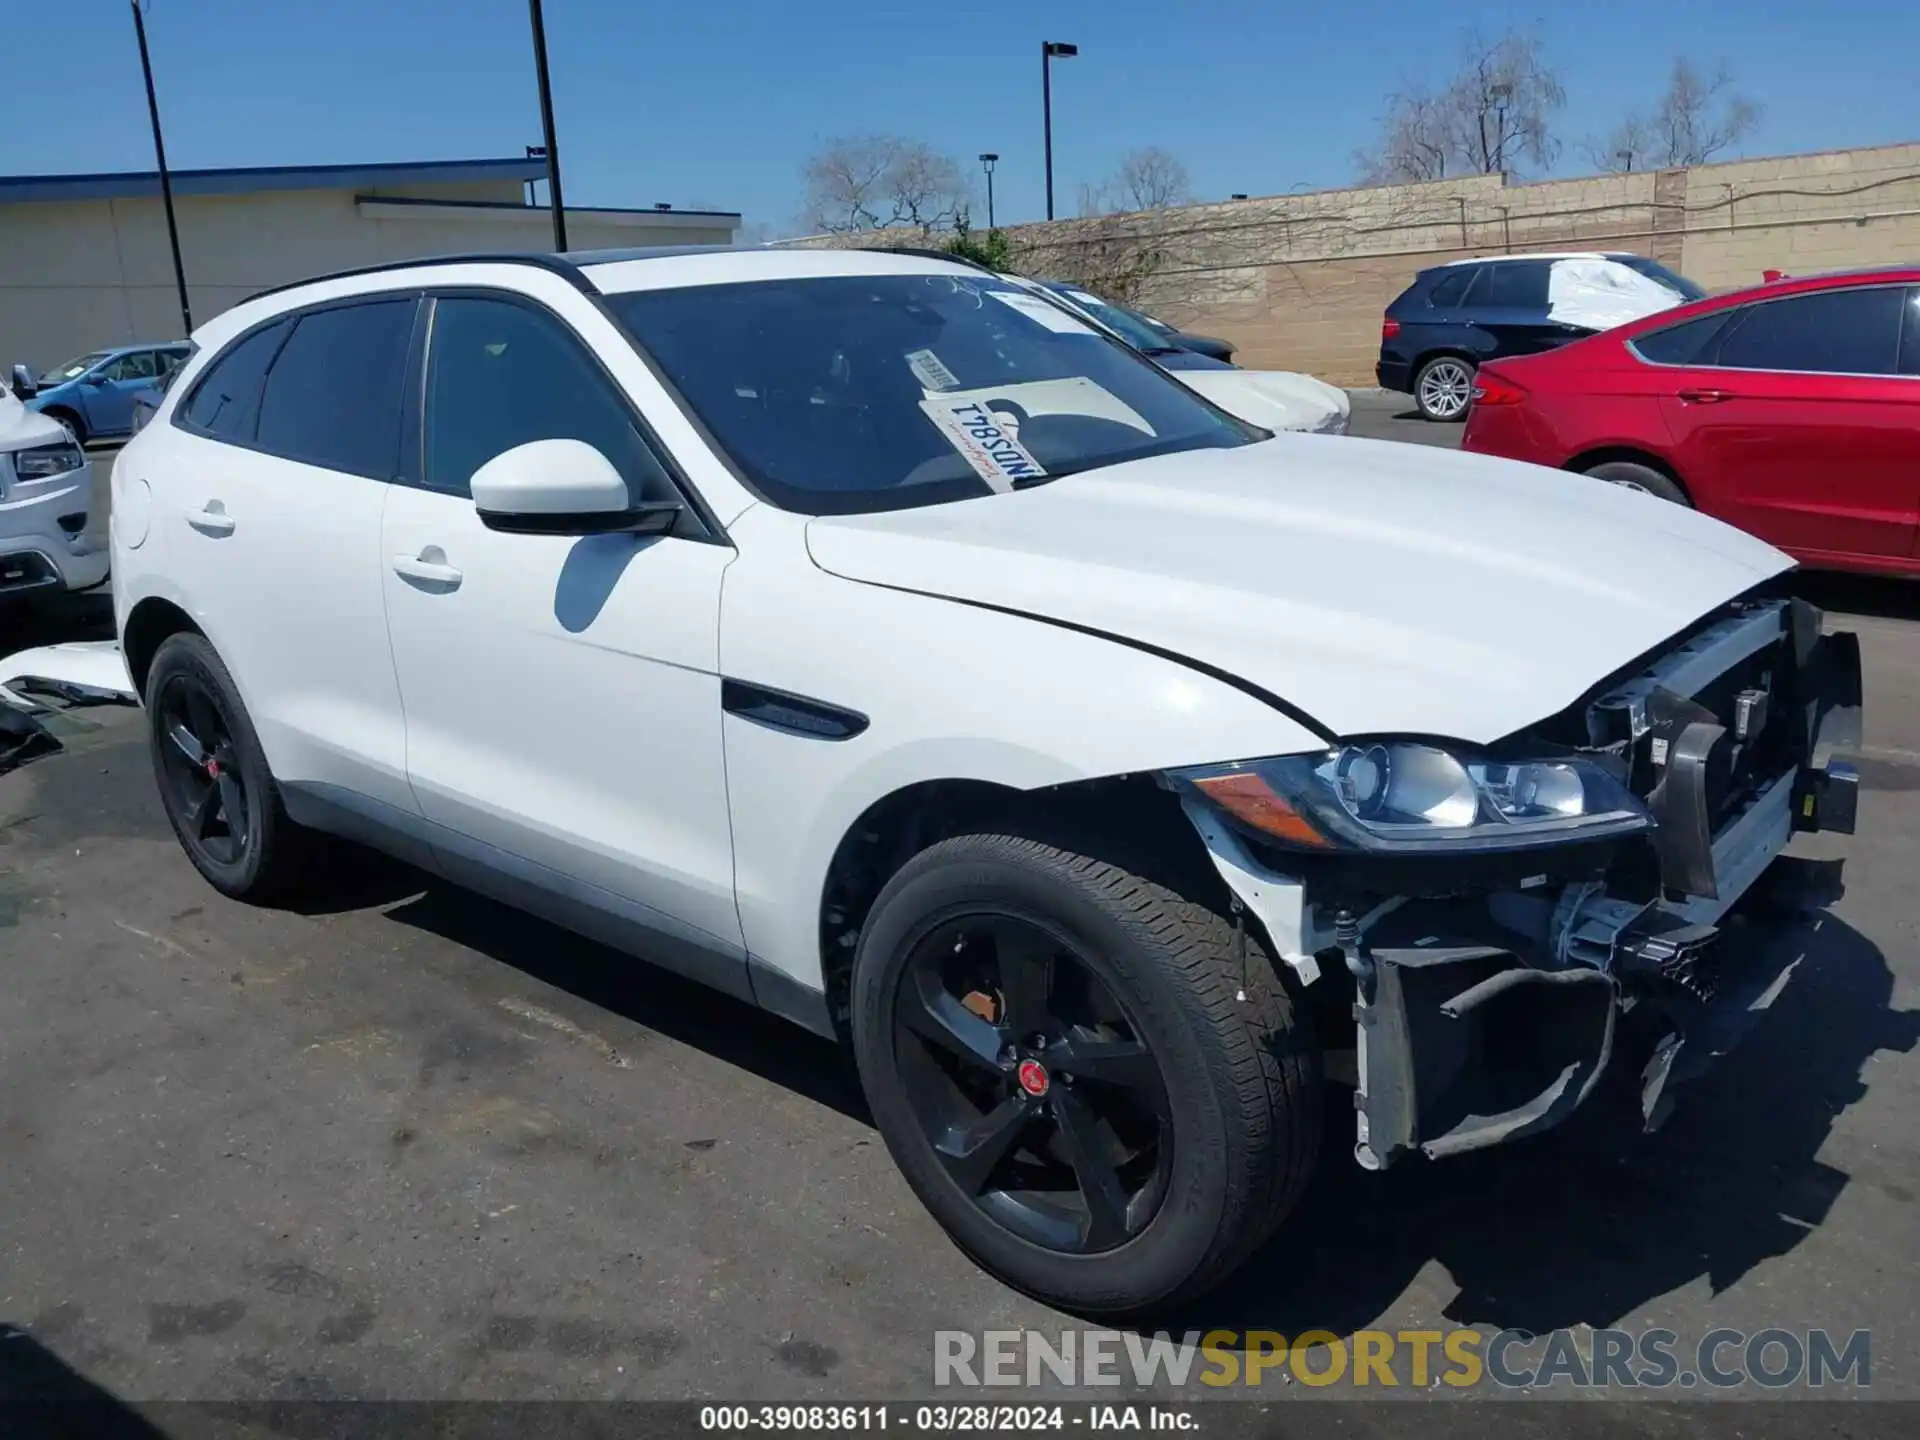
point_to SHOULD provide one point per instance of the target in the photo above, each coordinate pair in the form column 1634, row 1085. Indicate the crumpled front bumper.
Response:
column 1466, row 1040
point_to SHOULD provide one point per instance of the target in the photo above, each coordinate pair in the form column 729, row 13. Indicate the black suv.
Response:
column 1454, row 318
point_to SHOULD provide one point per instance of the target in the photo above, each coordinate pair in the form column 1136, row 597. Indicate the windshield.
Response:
column 1131, row 327
column 1660, row 274
column 850, row 394
column 60, row 374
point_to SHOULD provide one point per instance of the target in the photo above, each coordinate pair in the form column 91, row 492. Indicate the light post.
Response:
column 166, row 181
column 987, row 162
column 546, row 126
column 1502, row 92
column 1051, row 50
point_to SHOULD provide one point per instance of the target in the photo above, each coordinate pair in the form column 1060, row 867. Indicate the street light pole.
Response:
column 546, row 127
column 987, row 162
column 166, row 181
column 1050, row 50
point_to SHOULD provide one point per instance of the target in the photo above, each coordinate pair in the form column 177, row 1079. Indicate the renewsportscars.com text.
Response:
column 1583, row 1359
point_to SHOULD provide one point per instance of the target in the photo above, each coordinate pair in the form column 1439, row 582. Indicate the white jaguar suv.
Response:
column 880, row 643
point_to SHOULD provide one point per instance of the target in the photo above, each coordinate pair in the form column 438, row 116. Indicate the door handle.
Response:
column 428, row 569
column 211, row 519
column 1705, row 397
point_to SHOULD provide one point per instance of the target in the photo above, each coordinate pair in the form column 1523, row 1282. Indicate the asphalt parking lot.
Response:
column 408, row 1144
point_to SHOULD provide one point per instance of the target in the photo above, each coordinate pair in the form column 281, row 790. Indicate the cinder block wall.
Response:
column 1299, row 282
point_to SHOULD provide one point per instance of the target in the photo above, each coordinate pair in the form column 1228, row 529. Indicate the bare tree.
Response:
column 1153, row 179
column 1149, row 179
column 1414, row 145
column 1499, row 106
column 1491, row 118
column 875, row 182
column 1700, row 116
column 1629, row 146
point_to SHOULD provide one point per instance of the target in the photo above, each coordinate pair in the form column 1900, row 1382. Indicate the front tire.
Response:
column 1443, row 388
column 75, row 425
column 1060, row 1061
column 219, row 795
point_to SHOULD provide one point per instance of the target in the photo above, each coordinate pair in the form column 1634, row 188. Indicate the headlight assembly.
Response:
column 1402, row 796
column 44, row 461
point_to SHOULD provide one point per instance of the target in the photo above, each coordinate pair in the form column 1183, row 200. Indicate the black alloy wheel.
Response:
column 1031, row 1084
column 201, row 775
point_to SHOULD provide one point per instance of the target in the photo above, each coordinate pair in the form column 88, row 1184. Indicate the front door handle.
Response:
column 211, row 519
column 1705, row 397
column 428, row 570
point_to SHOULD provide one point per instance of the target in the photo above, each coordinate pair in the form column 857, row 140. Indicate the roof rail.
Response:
column 541, row 260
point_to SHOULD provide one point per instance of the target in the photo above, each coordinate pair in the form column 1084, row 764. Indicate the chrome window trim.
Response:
column 1633, row 348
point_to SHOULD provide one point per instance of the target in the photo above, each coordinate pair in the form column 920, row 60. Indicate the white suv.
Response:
column 47, row 544
column 878, row 642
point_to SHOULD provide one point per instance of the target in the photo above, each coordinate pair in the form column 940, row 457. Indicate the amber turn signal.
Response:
column 1251, row 801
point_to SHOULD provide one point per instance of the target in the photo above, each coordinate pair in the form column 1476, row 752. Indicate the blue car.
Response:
column 92, row 395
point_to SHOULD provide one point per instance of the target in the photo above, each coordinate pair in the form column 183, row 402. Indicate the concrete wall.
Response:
column 78, row 275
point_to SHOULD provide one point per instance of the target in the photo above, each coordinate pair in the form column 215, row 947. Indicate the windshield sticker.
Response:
column 1045, row 312
column 930, row 372
column 996, row 457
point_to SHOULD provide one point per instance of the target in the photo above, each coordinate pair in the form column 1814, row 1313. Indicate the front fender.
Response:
column 949, row 692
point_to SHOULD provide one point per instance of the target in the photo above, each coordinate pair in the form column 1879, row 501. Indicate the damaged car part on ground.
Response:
column 946, row 677
column 1492, row 918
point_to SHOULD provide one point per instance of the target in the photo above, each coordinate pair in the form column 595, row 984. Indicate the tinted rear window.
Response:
column 1910, row 335
column 226, row 402
column 1685, row 343
column 1848, row 332
column 1513, row 285
column 1451, row 288
column 333, row 395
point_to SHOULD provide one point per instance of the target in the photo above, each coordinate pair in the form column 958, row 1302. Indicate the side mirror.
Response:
column 562, row 487
column 97, row 377
column 22, row 384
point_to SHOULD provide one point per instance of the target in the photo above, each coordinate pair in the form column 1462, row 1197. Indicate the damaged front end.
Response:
column 1494, row 912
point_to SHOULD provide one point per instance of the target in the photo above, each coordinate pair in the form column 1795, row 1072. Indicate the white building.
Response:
column 84, row 260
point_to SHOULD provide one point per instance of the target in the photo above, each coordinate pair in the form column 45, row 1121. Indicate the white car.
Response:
column 46, row 499
column 1275, row 399
column 878, row 643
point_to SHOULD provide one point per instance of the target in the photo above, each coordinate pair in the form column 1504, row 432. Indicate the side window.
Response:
column 226, row 401
column 1514, row 285
column 1451, row 288
column 1848, row 332
column 135, row 365
column 1910, row 335
column 333, row 395
column 1685, row 343
column 500, row 375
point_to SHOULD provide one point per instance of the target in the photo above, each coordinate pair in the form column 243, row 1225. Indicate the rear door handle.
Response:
column 211, row 519
column 1705, row 397
column 428, row 570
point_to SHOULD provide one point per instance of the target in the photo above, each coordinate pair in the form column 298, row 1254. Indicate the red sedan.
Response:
column 1791, row 410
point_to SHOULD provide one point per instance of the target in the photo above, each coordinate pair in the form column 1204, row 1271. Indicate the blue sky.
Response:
column 720, row 102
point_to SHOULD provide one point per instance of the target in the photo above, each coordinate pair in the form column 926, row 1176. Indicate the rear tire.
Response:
column 1228, row 1089
column 1633, row 476
column 1443, row 388
column 219, row 795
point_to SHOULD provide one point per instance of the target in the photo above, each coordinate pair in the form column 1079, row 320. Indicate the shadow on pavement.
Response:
column 44, row 1398
column 728, row 1029
column 1587, row 1224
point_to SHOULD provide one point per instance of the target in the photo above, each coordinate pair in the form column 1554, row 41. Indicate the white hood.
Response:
column 21, row 427
column 1276, row 399
column 1378, row 587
